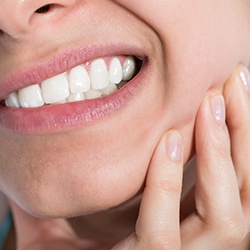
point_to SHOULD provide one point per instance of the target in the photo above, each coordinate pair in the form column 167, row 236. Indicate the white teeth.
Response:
column 60, row 102
column 76, row 97
column 77, row 84
column 55, row 89
column 128, row 68
column 12, row 100
column 115, row 71
column 79, row 80
column 30, row 97
column 99, row 74
column 92, row 94
column 110, row 89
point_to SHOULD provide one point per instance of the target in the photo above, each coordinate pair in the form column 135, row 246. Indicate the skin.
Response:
column 191, row 46
column 212, row 225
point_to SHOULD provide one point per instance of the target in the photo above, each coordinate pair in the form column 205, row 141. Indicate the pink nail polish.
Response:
column 174, row 146
column 245, row 77
column 218, row 109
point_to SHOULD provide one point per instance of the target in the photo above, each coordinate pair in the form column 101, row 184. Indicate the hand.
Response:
column 222, row 186
column 238, row 112
column 222, row 193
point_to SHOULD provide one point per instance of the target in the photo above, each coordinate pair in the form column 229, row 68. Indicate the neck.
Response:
column 108, row 226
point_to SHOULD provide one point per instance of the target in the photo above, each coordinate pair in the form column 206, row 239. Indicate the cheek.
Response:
column 200, row 34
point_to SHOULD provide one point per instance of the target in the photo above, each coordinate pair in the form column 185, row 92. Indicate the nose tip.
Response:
column 16, row 16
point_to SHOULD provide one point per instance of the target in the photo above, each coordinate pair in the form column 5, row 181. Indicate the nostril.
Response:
column 44, row 9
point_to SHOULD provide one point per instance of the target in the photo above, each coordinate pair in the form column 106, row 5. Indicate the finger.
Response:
column 237, row 98
column 217, row 195
column 158, row 222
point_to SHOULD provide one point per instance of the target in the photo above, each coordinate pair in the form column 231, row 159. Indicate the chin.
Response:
column 83, row 187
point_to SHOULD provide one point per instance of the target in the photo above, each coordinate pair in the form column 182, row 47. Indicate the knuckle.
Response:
column 170, row 187
column 222, row 146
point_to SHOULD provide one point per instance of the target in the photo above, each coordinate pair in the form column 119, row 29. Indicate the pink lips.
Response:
column 54, row 118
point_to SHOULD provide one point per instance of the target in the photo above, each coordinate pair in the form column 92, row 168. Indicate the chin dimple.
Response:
column 83, row 82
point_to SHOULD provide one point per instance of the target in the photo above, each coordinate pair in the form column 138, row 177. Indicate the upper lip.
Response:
column 61, row 62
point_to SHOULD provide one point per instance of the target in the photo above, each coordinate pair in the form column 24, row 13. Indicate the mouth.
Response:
column 96, row 79
column 79, row 95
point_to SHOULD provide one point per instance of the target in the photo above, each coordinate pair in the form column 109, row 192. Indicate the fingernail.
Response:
column 245, row 78
column 174, row 146
column 218, row 109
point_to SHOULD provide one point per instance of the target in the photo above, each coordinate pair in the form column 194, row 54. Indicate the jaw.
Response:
column 110, row 159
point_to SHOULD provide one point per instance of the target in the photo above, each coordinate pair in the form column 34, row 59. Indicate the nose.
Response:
column 17, row 17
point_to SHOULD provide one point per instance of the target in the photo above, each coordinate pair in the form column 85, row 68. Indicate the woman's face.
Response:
column 73, row 158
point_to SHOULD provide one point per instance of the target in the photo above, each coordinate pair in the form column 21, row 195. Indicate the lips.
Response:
column 90, row 107
column 92, row 80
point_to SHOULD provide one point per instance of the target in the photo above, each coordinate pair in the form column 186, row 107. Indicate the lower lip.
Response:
column 63, row 117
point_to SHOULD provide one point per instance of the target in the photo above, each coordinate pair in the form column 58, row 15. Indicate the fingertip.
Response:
column 218, row 109
column 166, row 167
column 245, row 78
column 211, row 117
column 239, row 79
column 174, row 146
column 211, row 133
column 236, row 93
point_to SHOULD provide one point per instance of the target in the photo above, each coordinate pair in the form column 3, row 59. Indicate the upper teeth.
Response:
column 76, row 85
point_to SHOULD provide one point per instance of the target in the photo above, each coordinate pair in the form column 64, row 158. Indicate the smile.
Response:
column 95, row 79
column 71, row 90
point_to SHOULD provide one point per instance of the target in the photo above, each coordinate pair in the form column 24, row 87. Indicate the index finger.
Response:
column 158, row 223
